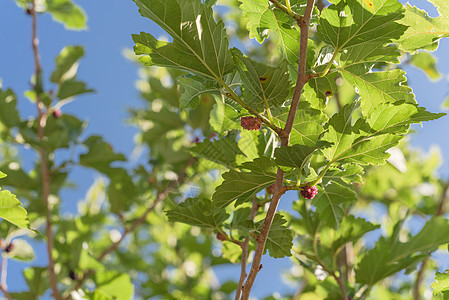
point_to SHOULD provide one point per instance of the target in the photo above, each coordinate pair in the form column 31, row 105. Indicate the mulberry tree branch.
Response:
column 285, row 137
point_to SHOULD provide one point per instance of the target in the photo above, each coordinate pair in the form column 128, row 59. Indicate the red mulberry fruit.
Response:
column 309, row 192
column 57, row 113
column 221, row 237
column 250, row 123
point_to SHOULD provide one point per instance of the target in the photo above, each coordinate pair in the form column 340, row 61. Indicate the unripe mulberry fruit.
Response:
column 221, row 237
column 57, row 113
column 9, row 248
column 309, row 192
column 250, row 123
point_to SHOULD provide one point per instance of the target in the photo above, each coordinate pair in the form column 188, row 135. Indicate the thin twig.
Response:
column 4, row 272
column 45, row 176
column 298, row 18
column 285, row 137
column 3, row 287
column 244, row 247
column 300, row 290
column 160, row 196
column 420, row 275
column 5, row 293
column 337, row 278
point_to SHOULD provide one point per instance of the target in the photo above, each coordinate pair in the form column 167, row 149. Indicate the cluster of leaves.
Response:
column 354, row 111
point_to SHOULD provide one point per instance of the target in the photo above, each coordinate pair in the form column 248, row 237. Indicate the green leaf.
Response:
column 428, row 239
column 351, row 229
column 243, row 185
column 222, row 151
column 121, row 190
column 427, row 63
column 113, row 285
column 200, row 44
column 358, row 142
column 67, row 13
column 331, row 202
column 67, row 63
column 100, row 155
column 22, row 250
column 396, row 117
column 280, row 238
column 72, row 87
column 223, row 117
column 369, row 54
column 263, row 86
column 37, row 280
column 296, row 156
column 197, row 212
column 441, row 283
column 345, row 174
column 307, row 125
column 249, row 143
column 262, row 19
column 232, row 252
column 194, row 86
column 191, row 89
column 391, row 256
column 12, row 211
column 424, row 32
column 353, row 23
column 375, row 88
column 9, row 115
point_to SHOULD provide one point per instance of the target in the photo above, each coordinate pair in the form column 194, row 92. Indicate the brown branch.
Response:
column 420, row 275
column 285, row 137
column 5, row 293
column 244, row 247
column 160, row 196
column 45, row 170
column 300, row 290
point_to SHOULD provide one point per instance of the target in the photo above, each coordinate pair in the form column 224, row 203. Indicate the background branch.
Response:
column 244, row 247
column 45, row 171
column 160, row 196
column 420, row 275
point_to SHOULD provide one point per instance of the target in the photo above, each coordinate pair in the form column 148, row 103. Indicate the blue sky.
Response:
column 104, row 68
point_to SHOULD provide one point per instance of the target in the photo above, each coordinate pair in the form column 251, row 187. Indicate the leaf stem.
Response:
column 161, row 195
column 236, row 98
column 288, row 10
column 322, row 173
column 45, row 169
column 284, row 135
column 329, row 65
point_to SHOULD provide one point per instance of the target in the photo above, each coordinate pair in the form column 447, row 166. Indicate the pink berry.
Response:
column 57, row 113
column 250, row 123
column 309, row 192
